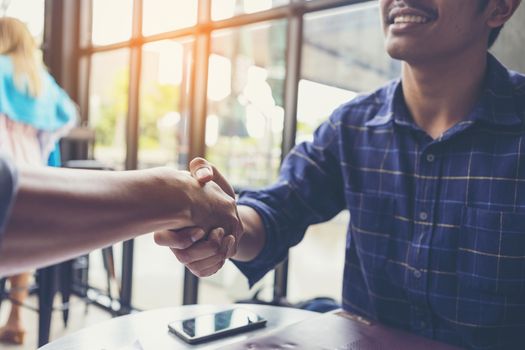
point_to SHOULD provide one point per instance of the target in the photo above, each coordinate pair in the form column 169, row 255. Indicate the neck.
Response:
column 440, row 94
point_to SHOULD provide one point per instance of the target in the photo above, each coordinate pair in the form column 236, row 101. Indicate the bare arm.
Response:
column 60, row 213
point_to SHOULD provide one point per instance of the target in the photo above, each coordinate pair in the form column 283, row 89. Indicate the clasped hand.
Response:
column 204, row 247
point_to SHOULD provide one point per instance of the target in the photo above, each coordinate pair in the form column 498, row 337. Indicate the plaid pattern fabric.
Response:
column 436, row 240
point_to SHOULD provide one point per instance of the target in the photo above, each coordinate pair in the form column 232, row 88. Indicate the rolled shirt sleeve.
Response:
column 309, row 191
column 8, row 187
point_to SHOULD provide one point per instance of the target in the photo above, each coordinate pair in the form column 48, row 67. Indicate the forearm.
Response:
column 254, row 237
column 62, row 213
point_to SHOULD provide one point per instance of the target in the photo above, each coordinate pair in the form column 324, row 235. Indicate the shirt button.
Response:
column 423, row 216
column 430, row 158
column 417, row 274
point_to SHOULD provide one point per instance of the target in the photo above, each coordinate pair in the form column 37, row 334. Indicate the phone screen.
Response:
column 211, row 326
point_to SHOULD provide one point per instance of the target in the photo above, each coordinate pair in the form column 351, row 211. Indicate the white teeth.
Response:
column 410, row 19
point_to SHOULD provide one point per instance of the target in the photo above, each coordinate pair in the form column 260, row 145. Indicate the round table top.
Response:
column 149, row 329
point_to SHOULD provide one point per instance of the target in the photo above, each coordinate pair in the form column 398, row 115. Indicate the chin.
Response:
column 404, row 53
column 397, row 52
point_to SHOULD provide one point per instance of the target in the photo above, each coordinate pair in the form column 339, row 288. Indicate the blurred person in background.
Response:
column 34, row 113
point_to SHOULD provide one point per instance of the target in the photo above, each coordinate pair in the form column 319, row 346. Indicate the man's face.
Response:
column 423, row 30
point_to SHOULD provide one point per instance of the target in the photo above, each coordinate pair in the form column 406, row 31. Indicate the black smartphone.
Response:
column 216, row 325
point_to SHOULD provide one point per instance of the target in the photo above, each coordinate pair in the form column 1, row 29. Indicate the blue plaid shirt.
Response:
column 436, row 241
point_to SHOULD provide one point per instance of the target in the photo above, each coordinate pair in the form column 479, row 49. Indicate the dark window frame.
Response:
column 69, row 42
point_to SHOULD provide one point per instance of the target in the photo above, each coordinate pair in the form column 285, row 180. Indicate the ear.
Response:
column 500, row 11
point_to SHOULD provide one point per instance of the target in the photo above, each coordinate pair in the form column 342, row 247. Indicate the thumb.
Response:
column 201, row 170
column 204, row 171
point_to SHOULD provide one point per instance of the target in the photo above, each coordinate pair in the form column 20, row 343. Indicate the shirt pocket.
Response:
column 371, row 223
column 491, row 251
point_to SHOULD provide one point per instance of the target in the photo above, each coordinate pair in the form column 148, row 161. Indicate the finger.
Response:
column 198, row 251
column 216, row 235
column 201, row 170
column 180, row 239
column 209, row 266
column 228, row 244
column 204, row 171
column 222, row 182
column 208, row 272
column 206, row 264
column 239, row 228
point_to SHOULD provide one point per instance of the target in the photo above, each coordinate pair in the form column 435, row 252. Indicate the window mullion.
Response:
column 197, row 120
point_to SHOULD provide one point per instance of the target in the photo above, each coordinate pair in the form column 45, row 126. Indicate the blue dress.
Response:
column 53, row 113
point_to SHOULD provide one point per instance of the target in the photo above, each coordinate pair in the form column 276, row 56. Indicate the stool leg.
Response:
column 46, row 291
column 66, row 280
column 2, row 289
column 106, row 258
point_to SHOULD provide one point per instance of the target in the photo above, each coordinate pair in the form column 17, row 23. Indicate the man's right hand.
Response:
column 204, row 249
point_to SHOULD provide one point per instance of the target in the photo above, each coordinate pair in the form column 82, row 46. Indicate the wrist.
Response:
column 253, row 237
column 169, row 195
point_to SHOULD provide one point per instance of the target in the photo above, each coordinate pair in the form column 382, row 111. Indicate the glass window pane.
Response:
column 167, row 15
column 223, row 9
column 164, row 92
column 157, row 279
column 333, row 72
column 229, row 286
column 316, row 265
column 34, row 19
column 111, row 21
column 108, row 105
column 352, row 61
column 245, row 102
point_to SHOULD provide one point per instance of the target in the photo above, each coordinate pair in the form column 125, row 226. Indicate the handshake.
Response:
column 209, row 232
column 193, row 213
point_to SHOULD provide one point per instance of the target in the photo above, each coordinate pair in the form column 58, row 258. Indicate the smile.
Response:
column 410, row 19
column 411, row 15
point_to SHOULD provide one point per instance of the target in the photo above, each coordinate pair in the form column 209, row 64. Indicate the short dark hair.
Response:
column 494, row 32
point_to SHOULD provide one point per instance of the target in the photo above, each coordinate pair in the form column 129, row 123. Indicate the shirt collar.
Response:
column 387, row 98
column 496, row 106
column 498, row 103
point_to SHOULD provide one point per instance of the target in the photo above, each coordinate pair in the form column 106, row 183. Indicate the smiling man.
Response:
column 431, row 169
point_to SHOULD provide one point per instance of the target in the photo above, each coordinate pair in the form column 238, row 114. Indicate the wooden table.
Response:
column 148, row 330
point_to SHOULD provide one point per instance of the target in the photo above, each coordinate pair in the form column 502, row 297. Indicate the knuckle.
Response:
column 200, row 273
column 215, row 246
column 224, row 256
column 182, row 257
column 221, row 264
column 180, row 243
column 208, row 272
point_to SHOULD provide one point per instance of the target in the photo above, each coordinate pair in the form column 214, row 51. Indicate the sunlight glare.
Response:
column 222, row 9
column 220, row 78
column 212, row 130
column 251, row 6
